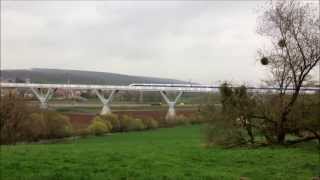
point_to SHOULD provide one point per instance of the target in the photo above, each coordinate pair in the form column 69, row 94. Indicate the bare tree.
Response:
column 293, row 28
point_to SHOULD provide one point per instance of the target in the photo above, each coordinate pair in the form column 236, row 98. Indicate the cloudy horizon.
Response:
column 205, row 42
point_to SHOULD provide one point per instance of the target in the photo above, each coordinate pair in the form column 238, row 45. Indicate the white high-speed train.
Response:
column 216, row 87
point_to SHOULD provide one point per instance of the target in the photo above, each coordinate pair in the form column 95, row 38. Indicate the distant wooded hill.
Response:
column 79, row 77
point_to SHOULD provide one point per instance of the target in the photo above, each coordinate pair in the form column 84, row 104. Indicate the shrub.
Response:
column 20, row 122
column 197, row 119
column 150, row 123
column 58, row 125
column 224, row 137
column 181, row 120
column 178, row 120
column 131, row 124
column 83, row 132
column 34, row 128
column 98, row 128
column 13, row 112
column 104, row 121
column 113, row 119
column 221, row 131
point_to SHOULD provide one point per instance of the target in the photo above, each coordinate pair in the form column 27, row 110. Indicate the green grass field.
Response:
column 174, row 153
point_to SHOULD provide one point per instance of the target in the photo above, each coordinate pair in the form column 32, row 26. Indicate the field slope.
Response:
column 174, row 153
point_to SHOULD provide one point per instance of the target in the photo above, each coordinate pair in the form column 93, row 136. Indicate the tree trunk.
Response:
column 249, row 131
column 281, row 133
column 281, row 136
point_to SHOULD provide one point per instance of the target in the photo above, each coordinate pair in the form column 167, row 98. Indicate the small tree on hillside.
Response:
column 294, row 30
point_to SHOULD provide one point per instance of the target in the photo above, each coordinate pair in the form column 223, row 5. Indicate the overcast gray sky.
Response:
column 206, row 42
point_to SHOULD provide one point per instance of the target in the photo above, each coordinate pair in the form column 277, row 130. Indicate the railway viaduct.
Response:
column 106, row 101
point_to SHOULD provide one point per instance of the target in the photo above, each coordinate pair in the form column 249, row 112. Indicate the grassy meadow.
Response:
column 168, row 153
